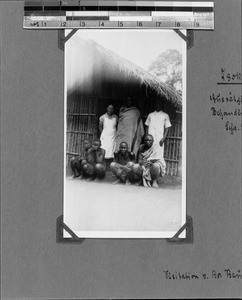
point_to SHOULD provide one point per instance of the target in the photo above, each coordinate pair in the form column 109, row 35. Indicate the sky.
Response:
column 138, row 46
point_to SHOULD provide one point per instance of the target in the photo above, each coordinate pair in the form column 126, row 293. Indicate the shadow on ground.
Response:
column 163, row 182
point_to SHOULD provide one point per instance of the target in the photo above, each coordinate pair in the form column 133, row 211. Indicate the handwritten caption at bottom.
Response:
column 213, row 274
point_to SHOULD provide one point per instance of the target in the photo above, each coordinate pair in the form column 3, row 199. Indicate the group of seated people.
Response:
column 128, row 169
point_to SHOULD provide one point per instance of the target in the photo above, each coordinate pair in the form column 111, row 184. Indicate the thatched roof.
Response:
column 131, row 71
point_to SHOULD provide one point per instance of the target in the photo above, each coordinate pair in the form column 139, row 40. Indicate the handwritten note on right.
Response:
column 226, row 105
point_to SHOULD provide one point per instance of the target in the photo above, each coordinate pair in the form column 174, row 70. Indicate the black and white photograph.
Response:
column 125, row 133
column 120, row 149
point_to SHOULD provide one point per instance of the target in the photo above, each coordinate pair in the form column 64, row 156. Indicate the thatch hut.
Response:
column 97, row 77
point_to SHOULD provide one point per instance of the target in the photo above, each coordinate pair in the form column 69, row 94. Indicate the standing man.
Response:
column 158, row 124
column 130, row 126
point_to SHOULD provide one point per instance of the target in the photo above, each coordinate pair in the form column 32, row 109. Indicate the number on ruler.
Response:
column 44, row 24
column 63, row 24
column 177, row 24
column 83, row 24
column 101, row 24
column 158, row 24
column 139, row 24
column 35, row 24
column 196, row 24
column 120, row 24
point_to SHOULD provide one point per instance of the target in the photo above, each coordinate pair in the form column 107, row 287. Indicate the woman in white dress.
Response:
column 108, row 127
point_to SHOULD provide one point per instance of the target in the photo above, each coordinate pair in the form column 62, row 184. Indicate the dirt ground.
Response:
column 94, row 207
column 166, row 182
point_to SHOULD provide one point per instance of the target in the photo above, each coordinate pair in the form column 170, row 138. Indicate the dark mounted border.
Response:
column 62, row 38
column 188, row 226
column 61, row 226
column 189, row 38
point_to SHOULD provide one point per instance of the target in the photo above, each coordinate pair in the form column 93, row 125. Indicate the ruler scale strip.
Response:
column 118, row 14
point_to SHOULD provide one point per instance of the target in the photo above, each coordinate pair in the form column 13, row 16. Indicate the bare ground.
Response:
column 94, row 207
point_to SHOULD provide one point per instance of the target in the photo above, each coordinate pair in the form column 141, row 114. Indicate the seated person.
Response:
column 150, row 164
column 77, row 162
column 95, row 165
column 122, row 164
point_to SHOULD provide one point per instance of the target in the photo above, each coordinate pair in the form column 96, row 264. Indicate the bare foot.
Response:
column 127, row 182
column 116, row 181
column 97, row 180
column 74, row 176
column 154, row 184
column 138, row 183
column 90, row 179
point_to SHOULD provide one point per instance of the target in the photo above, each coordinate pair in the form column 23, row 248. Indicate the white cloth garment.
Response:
column 153, row 154
column 108, row 134
column 157, row 121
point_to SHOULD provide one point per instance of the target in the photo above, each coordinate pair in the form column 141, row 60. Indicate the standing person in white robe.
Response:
column 108, row 128
column 158, row 124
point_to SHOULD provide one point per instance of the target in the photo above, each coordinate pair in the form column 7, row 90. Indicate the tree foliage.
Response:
column 168, row 67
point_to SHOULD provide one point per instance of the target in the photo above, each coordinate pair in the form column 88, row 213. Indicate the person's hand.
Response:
column 161, row 142
column 146, row 163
